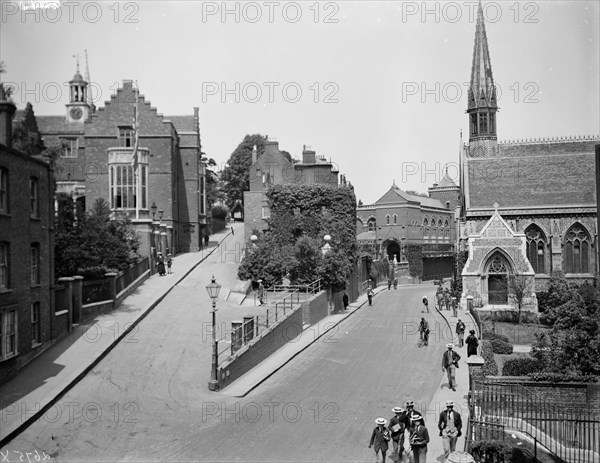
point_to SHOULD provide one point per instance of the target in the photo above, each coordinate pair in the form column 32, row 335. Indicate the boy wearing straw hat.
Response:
column 397, row 426
column 380, row 438
column 419, row 438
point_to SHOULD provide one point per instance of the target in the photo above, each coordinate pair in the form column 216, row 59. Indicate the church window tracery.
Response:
column 577, row 250
column 536, row 248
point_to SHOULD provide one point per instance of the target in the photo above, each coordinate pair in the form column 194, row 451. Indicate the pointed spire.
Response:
column 481, row 90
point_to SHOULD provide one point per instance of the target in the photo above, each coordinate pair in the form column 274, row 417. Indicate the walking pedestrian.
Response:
column 426, row 304
column 447, row 298
column 424, row 331
column 390, row 283
column 449, row 424
column 261, row 292
column 397, row 426
column 380, row 439
column 439, row 296
column 472, row 343
column 169, row 263
column 419, row 438
column 160, row 264
column 370, row 295
column 345, row 301
column 460, row 332
column 449, row 364
column 206, row 240
column 395, row 283
column 454, row 307
column 410, row 412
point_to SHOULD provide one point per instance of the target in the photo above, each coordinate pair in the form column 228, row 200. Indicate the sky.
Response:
column 379, row 88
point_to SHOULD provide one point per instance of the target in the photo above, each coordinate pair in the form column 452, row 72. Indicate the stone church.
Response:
column 528, row 207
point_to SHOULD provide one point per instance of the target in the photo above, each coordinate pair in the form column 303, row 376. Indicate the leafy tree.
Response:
column 519, row 287
column 236, row 175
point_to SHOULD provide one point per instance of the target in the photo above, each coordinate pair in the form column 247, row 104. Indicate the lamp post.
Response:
column 153, row 210
column 213, row 292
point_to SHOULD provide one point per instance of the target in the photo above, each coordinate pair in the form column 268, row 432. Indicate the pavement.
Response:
column 43, row 381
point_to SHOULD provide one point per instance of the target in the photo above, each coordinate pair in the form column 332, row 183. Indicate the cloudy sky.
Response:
column 378, row 87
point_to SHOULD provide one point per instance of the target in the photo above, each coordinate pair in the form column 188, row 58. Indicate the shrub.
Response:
column 520, row 367
column 490, row 336
column 93, row 273
column 490, row 367
column 501, row 347
column 219, row 212
column 563, row 377
column 497, row 450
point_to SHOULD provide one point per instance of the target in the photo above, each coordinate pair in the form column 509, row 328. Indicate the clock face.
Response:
column 76, row 113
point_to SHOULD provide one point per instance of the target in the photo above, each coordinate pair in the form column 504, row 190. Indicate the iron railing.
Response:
column 567, row 430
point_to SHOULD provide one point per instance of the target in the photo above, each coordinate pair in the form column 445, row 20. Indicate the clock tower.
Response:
column 78, row 109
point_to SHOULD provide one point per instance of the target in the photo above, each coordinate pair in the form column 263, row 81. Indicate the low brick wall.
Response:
column 315, row 308
column 261, row 347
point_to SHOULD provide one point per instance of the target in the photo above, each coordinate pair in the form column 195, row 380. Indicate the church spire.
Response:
column 482, row 104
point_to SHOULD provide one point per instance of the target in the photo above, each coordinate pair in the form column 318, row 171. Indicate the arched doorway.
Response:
column 497, row 279
column 392, row 249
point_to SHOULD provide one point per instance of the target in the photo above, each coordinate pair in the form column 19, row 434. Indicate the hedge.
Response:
column 489, row 336
column 501, row 347
column 520, row 367
column 563, row 377
column 488, row 450
column 490, row 367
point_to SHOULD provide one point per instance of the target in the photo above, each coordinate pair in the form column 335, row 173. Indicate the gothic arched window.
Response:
column 536, row 248
column 446, row 229
column 371, row 224
column 577, row 250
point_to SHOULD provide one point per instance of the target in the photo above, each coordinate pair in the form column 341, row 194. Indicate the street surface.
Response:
column 148, row 399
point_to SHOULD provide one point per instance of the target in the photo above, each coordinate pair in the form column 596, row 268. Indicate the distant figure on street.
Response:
column 439, row 296
column 460, row 332
column 426, row 304
column 419, row 438
column 397, row 426
column 345, row 301
column 390, row 283
column 380, row 438
column 370, row 295
column 395, row 283
column 472, row 343
column 160, row 264
column 447, row 298
column 454, row 307
column 449, row 364
column 449, row 425
column 169, row 263
column 206, row 240
column 424, row 331
column 261, row 292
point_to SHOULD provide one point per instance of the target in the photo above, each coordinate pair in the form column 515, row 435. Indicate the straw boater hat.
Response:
column 416, row 417
column 397, row 409
column 382, row 421
column 450, row 346
column 449, row 403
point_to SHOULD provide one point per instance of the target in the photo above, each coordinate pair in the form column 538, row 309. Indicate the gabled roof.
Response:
column 446, row 182
column 395, row 194
column 57, row 124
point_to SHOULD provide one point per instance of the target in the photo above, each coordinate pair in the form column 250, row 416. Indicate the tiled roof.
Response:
column 424, row 200
column 446, row 182
column 182, row 123
column 51, row 124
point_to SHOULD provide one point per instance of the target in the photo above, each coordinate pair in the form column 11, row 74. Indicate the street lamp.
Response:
column 213, row 292
column 160, row 214
column 153, row 210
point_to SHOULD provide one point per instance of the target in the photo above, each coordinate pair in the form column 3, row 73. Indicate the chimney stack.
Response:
column 308, row 156
column 7, row 112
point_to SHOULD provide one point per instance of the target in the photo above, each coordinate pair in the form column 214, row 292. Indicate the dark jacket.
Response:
column 419, row 436
column 408, row 416
column 401, row 421
column 460, row 327
column 378, row 439
column 443, row 421
column 446, row 359
column 472, row 344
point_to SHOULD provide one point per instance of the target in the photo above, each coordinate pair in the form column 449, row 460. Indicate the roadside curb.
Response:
column 295, row 354
column 38, row 414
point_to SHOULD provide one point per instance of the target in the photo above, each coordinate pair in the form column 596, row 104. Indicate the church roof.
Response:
column 396, row 194
column 77, row 78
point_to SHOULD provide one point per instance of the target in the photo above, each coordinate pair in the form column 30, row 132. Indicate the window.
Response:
column 483, row 124
column 395, row 219
column 577, row 250
column 126, row 137
column 3, row 190
column 35, row 264
column 446, row 230
column 492, row 123
column 36, row 337
column 473, row 124
column 8, row 334
column 536, row 248
column 122, row 186
column 266, row 212
column 70, row 147
column 33, row 197
column 4, row 266
column 425, row 228
column 387, row 219
column 372, row 224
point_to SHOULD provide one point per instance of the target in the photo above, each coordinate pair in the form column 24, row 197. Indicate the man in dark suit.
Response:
column 450, row 425
column 380, row 438
column 419, row 438
column 449, row 364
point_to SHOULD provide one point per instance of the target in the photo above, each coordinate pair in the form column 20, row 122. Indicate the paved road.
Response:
column 148, row 399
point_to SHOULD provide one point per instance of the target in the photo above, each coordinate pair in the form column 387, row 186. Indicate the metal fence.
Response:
column 570, row 432
column 128, row 276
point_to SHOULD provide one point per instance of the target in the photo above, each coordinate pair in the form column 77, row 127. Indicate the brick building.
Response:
column 399, row 219
column 529, row 206
column 273, row 168
column 97, row 162
column 26, row 250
